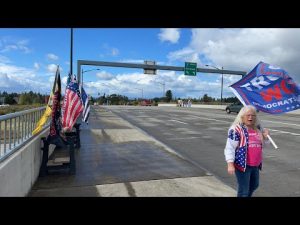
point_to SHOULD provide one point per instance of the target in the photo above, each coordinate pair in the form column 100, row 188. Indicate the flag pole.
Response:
column 273, row 143
column 71, row 53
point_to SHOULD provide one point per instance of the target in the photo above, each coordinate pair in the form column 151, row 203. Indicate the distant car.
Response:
column 235, row 107
column 146, row 102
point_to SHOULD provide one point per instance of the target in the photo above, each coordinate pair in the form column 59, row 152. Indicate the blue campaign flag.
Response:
column 85, row 101
column 270, row 89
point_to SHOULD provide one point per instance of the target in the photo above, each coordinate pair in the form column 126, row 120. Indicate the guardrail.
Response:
column 16, row 130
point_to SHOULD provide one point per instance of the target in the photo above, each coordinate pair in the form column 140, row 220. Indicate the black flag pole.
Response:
column 71, row 53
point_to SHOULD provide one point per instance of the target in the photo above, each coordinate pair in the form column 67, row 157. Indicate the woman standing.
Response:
column 243, row 151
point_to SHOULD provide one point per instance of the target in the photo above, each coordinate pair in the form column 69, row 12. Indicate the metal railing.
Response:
column 16, row 130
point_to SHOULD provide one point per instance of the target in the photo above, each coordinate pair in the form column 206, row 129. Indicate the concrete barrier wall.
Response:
column 19, row 172
column 197, row 106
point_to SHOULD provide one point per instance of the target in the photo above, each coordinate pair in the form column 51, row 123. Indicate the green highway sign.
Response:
column 190, row 69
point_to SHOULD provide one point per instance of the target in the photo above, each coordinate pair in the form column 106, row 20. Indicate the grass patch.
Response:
column 16, row 108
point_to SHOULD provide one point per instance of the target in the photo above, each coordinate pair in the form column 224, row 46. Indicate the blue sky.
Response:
column 28, row 58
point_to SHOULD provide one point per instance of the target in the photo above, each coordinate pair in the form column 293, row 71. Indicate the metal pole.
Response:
column 163, row 85
column 71, row 55
column 85, row 72
column 222, row 72
column 222, row 87
column 82, row 77
column 154, row 67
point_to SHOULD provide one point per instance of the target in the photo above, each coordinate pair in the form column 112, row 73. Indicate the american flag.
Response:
column 241, row 154
column 85, row 101
column 71, row 78
column 72, row 106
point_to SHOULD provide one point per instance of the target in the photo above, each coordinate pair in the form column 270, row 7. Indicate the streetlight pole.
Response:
column 221, row 80
column 141, row 89
column 84, row 71
column 163, row 84
column 222, row 87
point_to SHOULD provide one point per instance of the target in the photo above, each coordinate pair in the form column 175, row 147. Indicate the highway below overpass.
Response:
column 200, row 135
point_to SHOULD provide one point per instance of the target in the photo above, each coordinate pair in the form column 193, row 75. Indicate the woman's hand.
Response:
column 230, row 168
column 265, row 133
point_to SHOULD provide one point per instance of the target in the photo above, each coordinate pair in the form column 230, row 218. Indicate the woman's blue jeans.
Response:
column 248, row 181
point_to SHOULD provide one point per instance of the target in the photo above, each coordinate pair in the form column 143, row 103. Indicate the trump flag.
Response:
column 270, row 89
column 55, row 90
column 55, row 136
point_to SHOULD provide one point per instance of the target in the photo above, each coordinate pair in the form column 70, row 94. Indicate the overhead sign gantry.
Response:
column 149, row 68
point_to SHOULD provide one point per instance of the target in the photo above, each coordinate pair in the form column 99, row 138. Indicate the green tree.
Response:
column 22, row 99
column 92, row 101
column 169, row 95
column 25, row 99
column 9, row 100
column 206, row 98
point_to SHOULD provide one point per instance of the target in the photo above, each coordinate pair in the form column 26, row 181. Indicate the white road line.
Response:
column 183, row 138
column 285, row 132
column 279, row 131
column 178, row 121
column 203, row 118
column 291, row 124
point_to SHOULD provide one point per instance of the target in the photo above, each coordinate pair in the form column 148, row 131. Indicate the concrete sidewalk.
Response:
column 116, row 160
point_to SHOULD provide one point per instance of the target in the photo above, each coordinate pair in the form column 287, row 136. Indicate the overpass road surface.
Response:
column 118, row 159
column 199, row 135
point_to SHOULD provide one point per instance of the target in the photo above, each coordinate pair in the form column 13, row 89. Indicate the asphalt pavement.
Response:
column 116, row 159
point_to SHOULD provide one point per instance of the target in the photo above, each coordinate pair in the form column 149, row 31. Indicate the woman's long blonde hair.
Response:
column 239, row 119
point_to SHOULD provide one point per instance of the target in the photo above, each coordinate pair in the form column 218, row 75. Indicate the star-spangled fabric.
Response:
column 85, row 102
column 72, row 106
column 240, row 134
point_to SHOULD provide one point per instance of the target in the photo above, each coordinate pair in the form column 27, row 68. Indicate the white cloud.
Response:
column 169, row 34
column 4, row 59
column 19, row 79
column 243, row 48
column 9, row 44
column 63, row 80
column 132, row 84
column 5, row 81
column 36, row 66
column 185, row 55
column 132, row 61
column 51, row 56
column 114, row 52
column 16, row 72
column 104, row 75
column 52, row 68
